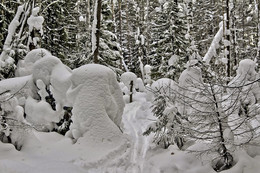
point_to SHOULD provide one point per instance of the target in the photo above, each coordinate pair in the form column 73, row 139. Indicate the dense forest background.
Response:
column 162, row 33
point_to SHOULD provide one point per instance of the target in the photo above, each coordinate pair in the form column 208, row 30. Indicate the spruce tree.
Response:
column 168, row 33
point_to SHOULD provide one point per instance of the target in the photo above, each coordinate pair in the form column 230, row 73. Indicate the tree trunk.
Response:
column 228, row 39
column 131, row 91
column 258, row 30
column 128, row 32
column 112, row 9
column 120, row 29
column 96, row 52
column 234, row 32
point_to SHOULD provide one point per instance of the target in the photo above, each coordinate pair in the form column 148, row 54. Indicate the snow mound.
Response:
column 24, row 67
column 42, row 69
column 97, row 112
column 164, row 85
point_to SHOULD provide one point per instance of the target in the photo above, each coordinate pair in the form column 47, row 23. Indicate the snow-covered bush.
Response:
column 132, row 87
column 35, row 28
column 51, row 78
column 129, row 79
column 165, row 132
column 97, row 104
column 147, row 74
column 212, row 116
column 15, row 46
column 244, row 96
column 13, row 126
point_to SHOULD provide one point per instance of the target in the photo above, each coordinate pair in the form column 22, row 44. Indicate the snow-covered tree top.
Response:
column 35, row 21
column 127, row 77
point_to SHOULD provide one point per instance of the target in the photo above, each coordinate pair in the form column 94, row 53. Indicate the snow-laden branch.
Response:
column 214, row 45
column 94, row 29
column 11, row 32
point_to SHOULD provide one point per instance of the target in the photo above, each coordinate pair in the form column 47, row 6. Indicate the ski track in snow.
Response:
column 134, row 127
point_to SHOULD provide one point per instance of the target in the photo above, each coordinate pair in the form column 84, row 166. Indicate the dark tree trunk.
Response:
column 228, row 39
column 96, row 52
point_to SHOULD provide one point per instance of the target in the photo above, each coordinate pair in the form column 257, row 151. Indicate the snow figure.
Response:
column 97, row 104
column 35, row 28
column 55, row 76
column 24, row 67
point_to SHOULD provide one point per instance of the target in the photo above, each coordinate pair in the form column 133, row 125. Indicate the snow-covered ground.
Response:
column 53, row 153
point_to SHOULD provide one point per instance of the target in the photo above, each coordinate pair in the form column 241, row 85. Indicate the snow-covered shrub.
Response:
column 244, row 96
column 166, row 86
column 97, row 104
column 51, row 78
column 147, row 74
column 164, row 109
column 129, row 79
column 15, row 46
column 210, row 115
column 35, row 28
column 13, row 126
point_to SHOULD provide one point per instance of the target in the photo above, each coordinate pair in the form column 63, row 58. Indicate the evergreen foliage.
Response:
column 168, row 33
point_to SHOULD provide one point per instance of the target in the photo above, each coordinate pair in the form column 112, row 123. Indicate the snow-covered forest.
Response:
column 134, row 86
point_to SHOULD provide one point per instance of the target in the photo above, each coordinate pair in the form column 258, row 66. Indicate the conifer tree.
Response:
column 60, row 29
column 168, row 42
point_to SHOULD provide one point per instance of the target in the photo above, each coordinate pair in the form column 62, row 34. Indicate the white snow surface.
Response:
column 52, row 153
